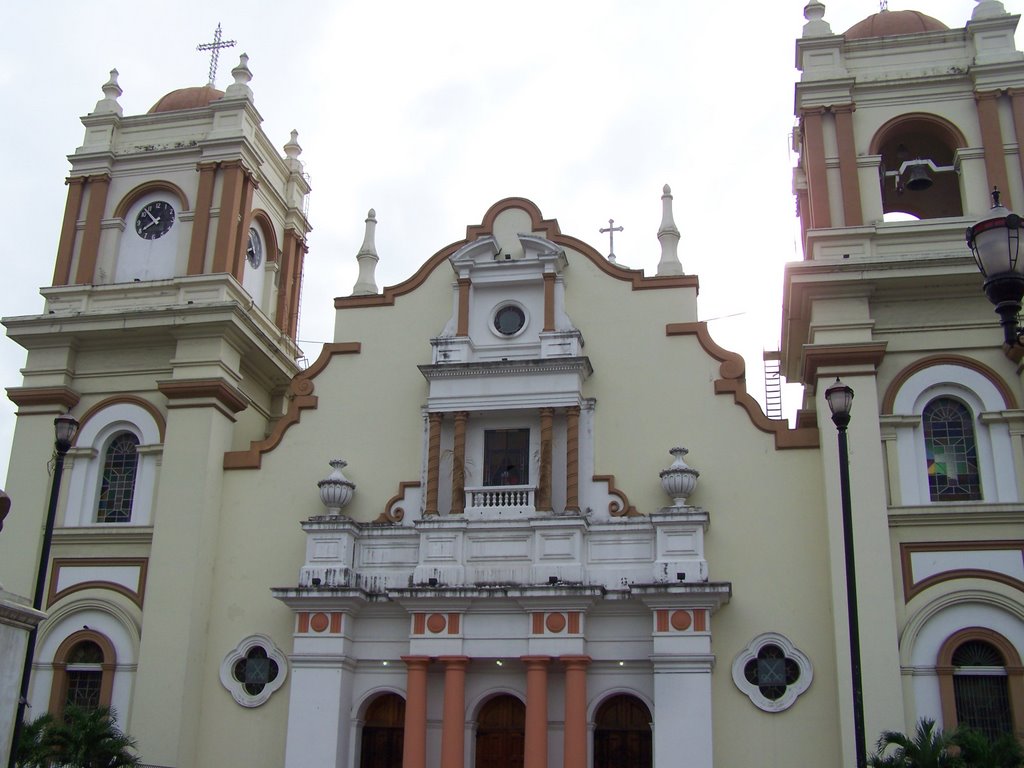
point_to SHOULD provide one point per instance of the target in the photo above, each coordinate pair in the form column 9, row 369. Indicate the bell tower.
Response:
column 169, row 334
column 905, row 126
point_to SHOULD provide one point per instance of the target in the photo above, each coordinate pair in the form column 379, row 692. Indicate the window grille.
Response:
column 981, row 689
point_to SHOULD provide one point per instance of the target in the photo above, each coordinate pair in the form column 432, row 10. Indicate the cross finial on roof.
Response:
column 883, row 5
column 214, row 49
column 611, row 229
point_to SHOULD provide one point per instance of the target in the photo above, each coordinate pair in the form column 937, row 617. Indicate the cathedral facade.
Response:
column 522, row 511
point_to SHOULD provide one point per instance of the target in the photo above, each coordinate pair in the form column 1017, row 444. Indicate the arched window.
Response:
column 951, row 451
column 117, row 487
column 83, row 672
column 981, row 682
column 115, row 464
column 980, row 688
column 383, row 733
column 946, row 426
column 622, row 734
column 501, row 733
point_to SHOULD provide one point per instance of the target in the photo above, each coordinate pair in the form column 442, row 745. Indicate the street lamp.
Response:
column 64, row 429
column 840, row 401
column 995, row 243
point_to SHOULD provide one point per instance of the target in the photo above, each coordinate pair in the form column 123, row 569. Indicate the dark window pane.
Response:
column 255, row 670
column 507, row 457
column 85, row 652
column 84, row 688
column 980, row 688
column 983, row 703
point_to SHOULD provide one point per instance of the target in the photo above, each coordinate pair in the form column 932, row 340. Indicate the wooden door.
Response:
column 622, row 736
column 383, row 732
column 500, row 733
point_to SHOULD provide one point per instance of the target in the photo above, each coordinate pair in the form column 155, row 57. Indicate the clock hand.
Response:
column 151, row 216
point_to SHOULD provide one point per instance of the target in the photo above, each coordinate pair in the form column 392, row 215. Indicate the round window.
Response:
column 509, row 320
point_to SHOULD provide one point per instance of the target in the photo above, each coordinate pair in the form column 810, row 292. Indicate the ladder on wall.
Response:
column 772, row 385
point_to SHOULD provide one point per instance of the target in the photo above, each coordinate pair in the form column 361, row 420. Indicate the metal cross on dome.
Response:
column 214, row 49
column 611, row 229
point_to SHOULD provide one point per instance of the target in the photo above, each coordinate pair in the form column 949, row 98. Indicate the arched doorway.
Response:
column 622, row 734
column 500, row 733
column 383, row 732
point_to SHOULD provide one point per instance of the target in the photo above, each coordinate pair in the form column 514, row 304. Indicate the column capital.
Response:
column 986, row 95
column 415, row 661
column 575, row 661
column 535, row 661
column 454, row 662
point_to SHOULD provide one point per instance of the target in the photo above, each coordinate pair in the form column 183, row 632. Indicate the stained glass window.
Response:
column 255, row 670
column 771, row 671
column 951, row 450
column 981, row 688
column 120, row 465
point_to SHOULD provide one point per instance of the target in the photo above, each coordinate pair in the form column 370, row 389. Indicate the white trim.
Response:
column 793, row 691
column 87, row 464
column 980, row 395
column 930, row 628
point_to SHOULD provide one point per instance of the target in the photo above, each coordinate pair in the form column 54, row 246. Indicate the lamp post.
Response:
column 840, row 401
column 64, row 428
column 995, row 243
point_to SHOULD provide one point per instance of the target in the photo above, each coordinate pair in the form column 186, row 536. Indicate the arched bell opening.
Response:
column 918, row 174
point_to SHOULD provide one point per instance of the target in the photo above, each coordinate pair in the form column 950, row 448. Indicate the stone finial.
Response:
column 366, row 285
column 240, row 88
column 987, row 9
column 292, row 150
column 679, row 479
column 111, row 91
column 336, row 490
column 816, row 25
column 668, row 236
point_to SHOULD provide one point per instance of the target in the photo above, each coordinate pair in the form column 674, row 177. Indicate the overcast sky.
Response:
column 431, row 112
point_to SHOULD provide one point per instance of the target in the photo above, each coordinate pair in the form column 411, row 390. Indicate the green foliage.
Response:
column 927, row 748
column 931, row 748
column 978, row 752
column 83, row 738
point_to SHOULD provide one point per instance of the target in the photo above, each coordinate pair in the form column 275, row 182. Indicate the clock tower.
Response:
column 169, row 333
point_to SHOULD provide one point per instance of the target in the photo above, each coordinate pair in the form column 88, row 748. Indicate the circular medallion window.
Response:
column 254, row 250
column 772, row 672
column 253, row 670
column 509, row 319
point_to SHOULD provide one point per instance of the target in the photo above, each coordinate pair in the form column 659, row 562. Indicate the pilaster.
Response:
column 172, row 657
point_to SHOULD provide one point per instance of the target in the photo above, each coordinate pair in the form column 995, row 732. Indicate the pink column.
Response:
column 414, row 749
column 575, row 711
column 535, row 751
column 453, row 727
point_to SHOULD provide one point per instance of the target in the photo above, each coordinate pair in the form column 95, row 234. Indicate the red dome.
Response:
column 887, row 23
column 187, row 98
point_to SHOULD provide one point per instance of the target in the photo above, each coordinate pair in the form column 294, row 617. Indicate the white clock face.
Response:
column 254, row 250
column 154, row 220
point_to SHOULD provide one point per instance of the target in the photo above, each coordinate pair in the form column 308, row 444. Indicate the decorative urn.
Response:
column 336, row 490
column 679, row 479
